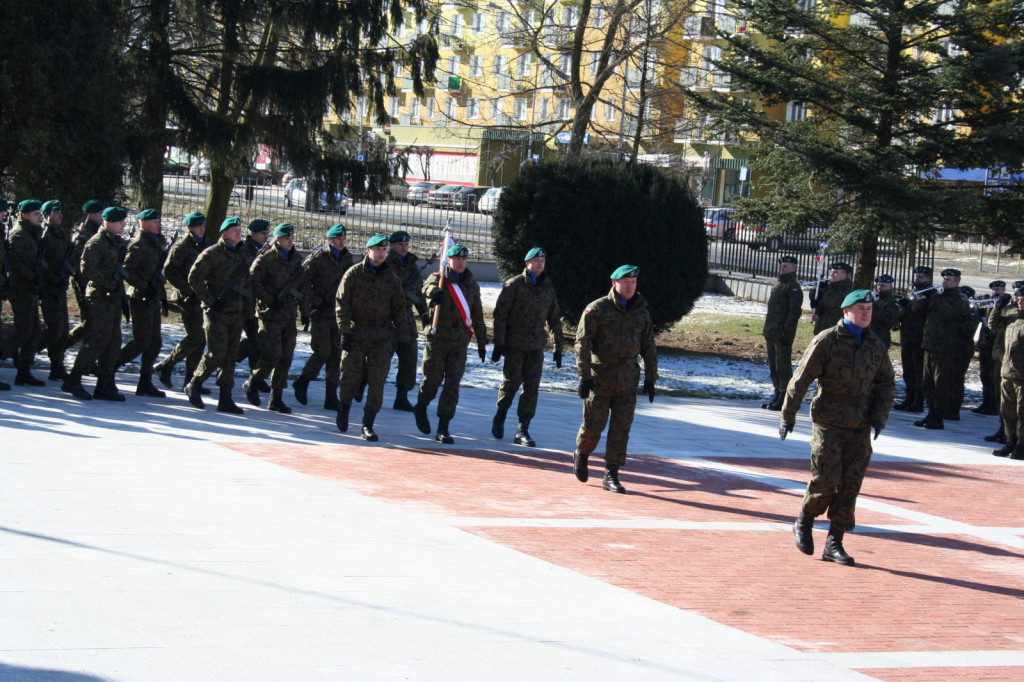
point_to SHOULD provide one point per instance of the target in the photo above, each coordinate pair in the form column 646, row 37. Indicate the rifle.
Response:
column 119, row 277
column 158, row 279
column 821, row 274
column 289, row 285
column 232, row 283
column 37, row 267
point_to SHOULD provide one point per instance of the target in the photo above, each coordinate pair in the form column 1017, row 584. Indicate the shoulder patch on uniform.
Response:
column 345, row 276
column 587, row 310
column 814, row 341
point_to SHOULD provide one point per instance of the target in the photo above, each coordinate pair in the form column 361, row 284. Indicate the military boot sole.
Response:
column 150, row 392
column 524, row 440
column 76, row 391
column 111, row 397
column 444, row 438
column 230, row 408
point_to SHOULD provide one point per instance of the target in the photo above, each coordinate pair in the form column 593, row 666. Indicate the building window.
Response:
column 451, row 108
column 476, row 66
column 609, row 111
column 542, row 109
column 796, row 111
column 521, row 108
column 501, row 72
column 524, row 65
column 479, row 22
column 431, row 104
column 393, row 107
column 562, row 108
column 594, row 59
column 414, row 107
column 501, row 22
column 495, row 109
column 472, row 109
column 598, row 16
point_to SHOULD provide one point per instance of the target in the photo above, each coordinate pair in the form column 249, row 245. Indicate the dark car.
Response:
column 254, row 176
column 444, row 196
column 468, row 198
column 418, row 191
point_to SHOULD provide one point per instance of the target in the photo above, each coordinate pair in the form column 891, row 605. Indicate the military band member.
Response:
column 1003, row 313
column 1012, row 386
column 525, row 305
column 912, row 321
column 856, row 384
column 987, row 363
column 826, row 305
column 886, row 310
column 613, row 331
column 408, row 269
column 144, row 276
column 780, row 323
column 25, row 271
column 249, row 347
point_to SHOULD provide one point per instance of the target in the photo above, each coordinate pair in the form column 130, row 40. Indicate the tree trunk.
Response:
column 222, row 181
column 867, row 261
column 149, row 186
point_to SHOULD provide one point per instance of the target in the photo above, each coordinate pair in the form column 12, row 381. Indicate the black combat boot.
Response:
column 226, row 403
column 24, row 377
column 146, row 388
column 999, row 436
column 802, row 528
column 579, row 465
column 106, row 389
column 57, row 372
column 342, row 419
column 73, row 385
column 498, row 424
column 953, row 416
column 523, row 434
column 917, row 405
column 1018, row 451
column 420, row 411
column 368, row 432
column 611, row 480
column 300, row 386
column 252, row 392
column 834, row 551
column 163, row 373
column 262, row 386
column 402, row 403
column 776, row 405
column 936, row 422
column 442, row 431
column 276, row 403
column 194, row 390
column 771, row 401
column 1006, row 450
column 331, row 397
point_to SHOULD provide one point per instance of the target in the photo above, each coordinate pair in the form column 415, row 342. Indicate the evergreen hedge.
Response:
column 593, row 216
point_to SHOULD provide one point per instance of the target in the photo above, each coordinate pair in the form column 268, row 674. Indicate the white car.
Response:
column 199, row 170
column 489, row 201
column 295, row 195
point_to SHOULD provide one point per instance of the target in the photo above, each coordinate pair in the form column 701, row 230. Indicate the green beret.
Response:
column 839, row 265
column 950, row 272
column 51, row 206
column 195, row 219
column 997, row 283
column 855, row 297
column 458, row 251
column 259, row 225
column 967, row 290
column 1019, row 292
column 4, row 204
column 29, row 205
column 1018, row 284
column 114, row 214
column 399, row 236
column 230, row 221
column 923, row 270
column 377, row 240
column 534, row 252
column 787, row 259
column 336, row 230
column 625, row 271
column 93, row 206
column 149, row 214
column 885, row 279
column 284, row 230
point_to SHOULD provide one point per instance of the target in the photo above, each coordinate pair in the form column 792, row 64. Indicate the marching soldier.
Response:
column 25, row 263
column 458, row 315
column 826, row 306
column 1012, row 387
column 526, row 303
column 780, row 323
column 5, row 207
column 323, row 275
column 180, row 260
column 249, row 347
column 276, row 277
column 405, row 265
column 101, row 268
column 371, row 314
column 91, row 224
column 147, row 297
column 912, row 321
column 53, row 299
column 886, row 311
column 612, row 332
column 986, row 358
column 855, row 391
column 219, row 278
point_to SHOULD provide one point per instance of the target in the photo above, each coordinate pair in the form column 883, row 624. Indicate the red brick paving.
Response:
column 986, row 674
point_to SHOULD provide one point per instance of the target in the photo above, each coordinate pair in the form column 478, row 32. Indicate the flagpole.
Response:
column 448, row 232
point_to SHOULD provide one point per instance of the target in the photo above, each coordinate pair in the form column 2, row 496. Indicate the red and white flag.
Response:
column 457, row 296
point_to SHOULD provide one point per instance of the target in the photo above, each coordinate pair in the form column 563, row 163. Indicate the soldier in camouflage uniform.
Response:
column 220, row 279
column 101, row 267
column 371, row 314
column 1001, row 315
column 1012, row 386
column 25, row 263
column 964, row 354
column 91, row 224
column 147, row 297
column 990, row 379
column 444, row 359
column 826, row 305
column 780, row 322
column 946, row 329
column 406, row 266
column 5, row 207
column 277, row 281
column 526, row 303
column 856, row 384
column 323, row 275
column 54, row 296
column 249, row 347
column 612, row 332
column 911, row 353
column 180, row 260
column 886, row 310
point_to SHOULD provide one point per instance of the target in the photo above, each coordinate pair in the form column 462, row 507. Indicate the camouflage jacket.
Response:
column 323, row 275
column 1013, row 355
column 784, row 309
column 271, row 272
column 884, row 313
column 828, row 306
column 82, row 235
column 142, row 266
column 56, row 249
column 856, row 384
column 24, row 261
column 998, row 319
column 523, row 307
column 214, row 268
column 450, row 326
column 912, row 319
column 947, row 325
column 408, row 271
column 101, row 265
column 610, row 334
column 179, row 263
column 370, row 305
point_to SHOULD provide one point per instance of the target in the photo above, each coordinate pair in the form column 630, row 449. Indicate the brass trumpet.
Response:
column 982, row 303
column 914, row 295
column 813, row 282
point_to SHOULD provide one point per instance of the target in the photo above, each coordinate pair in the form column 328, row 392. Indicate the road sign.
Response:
column 360, row 157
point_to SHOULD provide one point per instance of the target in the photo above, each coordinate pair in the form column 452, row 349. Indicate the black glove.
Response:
column 903, row 302
column 436, row 298
column 126, row 310
column 304, row 319
column 586, row 388
column 497, row 353
column 649, row 389
column 876, row 426
column 427, row 320
column 347, row 342
column 481, row 349
column 558, row 359
column 785, row 429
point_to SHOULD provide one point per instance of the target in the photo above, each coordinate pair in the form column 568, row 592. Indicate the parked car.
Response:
column 489, row 201
column 199, row 170
column 254, row 176
column 443, row 196
column 295, row 195
column 467, row 198
column 398, row 190
column 418, row 191
column 176, row 167
column 720, row 223
column 809, row 240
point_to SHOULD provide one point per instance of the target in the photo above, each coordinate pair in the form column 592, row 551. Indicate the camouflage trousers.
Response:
column 941, row 372
column 368, row 361
column 146, row 340
column 54, row 337
column 614, row 396
column 1012, row 408
column 996, row 379
column 101, row 336
column 25, row 342
column 407, row 357
column 839, row 460
column 277, row 348
column 190, row 348
column 443, row 361
column 249, row 346
column 223, row 333
column 522, row 368
column 325, row 342
column 780, row 362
